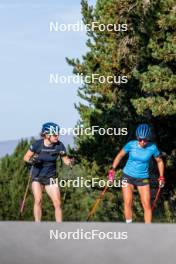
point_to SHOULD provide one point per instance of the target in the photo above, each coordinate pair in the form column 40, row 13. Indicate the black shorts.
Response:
column 44, row 180
column 135, row 181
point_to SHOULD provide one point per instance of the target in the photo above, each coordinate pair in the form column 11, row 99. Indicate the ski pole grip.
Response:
column 161, row 178
column 111, row 175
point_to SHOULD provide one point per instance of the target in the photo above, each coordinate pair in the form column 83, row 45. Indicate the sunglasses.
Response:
column 143, row 139
column 54, row 135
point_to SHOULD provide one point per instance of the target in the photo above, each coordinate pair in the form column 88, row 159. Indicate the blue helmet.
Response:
column 143, row 131
column 50, row 128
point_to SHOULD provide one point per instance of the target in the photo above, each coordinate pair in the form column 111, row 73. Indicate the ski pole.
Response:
column 26, row 192
column 98, row 200
column 156, row 198
column 71, row 169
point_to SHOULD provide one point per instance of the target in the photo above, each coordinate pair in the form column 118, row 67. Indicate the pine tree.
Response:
column 158, row 78
column 145, row 53
column 157, row 81
column 110, row 53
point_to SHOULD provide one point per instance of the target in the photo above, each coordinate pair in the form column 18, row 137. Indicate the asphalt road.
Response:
column 74, row 243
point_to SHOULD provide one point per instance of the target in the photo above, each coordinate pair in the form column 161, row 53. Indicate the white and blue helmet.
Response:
column 143, row 131
column 50, row 128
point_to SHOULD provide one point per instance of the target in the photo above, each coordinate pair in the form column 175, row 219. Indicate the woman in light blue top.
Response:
column 135, row 172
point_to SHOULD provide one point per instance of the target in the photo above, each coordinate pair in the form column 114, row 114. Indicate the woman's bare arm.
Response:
column 66, row 160
column 28, row 155
column 160, row 165
column 118, row 158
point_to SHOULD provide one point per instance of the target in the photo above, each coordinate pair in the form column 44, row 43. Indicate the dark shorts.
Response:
column 135, row 181
column 44, row 180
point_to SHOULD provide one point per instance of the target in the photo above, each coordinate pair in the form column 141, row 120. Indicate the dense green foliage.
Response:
column 146, row 55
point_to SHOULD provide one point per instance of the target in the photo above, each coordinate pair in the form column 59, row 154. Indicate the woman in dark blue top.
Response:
column 42, row 155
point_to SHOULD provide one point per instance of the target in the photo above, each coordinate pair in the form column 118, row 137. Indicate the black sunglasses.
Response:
column 142, row 139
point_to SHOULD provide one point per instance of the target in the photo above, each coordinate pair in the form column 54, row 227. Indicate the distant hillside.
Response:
column 7, row 147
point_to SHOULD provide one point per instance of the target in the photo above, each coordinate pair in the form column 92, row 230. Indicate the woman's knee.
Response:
column 37, row 201
column 128, row 204
column 146, row 204
column 57, row 203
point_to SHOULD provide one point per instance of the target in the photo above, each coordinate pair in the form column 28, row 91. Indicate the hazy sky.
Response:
column 28, row 54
